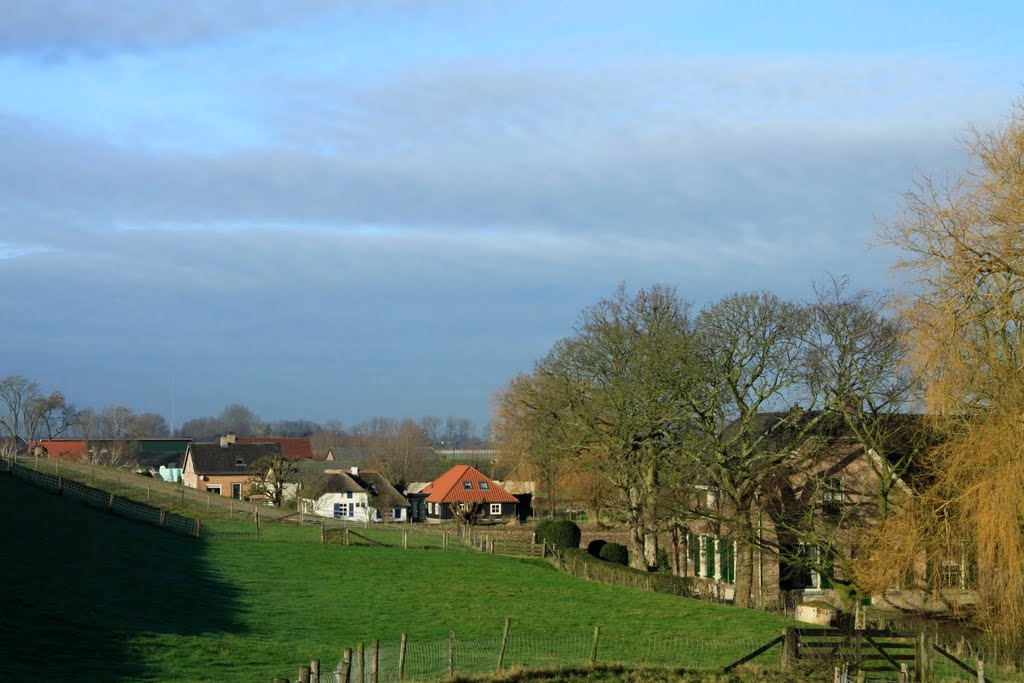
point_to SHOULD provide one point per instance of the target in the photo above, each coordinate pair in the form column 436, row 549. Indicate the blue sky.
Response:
column 339, row 210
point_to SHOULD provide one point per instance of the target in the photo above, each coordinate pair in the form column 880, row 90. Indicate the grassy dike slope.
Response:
column 89, row 596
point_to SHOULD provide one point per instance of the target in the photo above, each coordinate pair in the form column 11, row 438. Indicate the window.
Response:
column 468, row 485
column 348, row 495
column 239, row 462
column 351, row 510
column 709, row 557
column 338, row 512
column 484, row 485
column 727, row 560
column 832, row 496
column 815, row 567
column 213, row 488
column 495, row 508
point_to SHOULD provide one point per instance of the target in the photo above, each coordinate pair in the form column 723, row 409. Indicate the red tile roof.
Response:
column 293, row 448
column 449, row 488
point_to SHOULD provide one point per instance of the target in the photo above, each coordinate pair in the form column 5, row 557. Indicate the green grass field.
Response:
column 93, row 597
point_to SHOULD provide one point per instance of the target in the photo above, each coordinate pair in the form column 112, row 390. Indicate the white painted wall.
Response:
column 324, row 507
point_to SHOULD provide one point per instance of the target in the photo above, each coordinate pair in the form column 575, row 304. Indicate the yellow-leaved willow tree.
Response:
column 963, row 244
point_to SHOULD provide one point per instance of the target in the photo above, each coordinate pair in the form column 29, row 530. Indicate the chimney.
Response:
column 354, row 470
column 227, row 440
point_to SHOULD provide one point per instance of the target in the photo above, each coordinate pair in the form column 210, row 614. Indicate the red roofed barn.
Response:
column 293, row 448
column 464, row 484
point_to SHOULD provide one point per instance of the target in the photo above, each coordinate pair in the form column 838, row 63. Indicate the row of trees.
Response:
column 648, row 395
column 653, row 397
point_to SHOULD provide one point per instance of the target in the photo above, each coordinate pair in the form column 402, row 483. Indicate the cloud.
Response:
column 97, row 28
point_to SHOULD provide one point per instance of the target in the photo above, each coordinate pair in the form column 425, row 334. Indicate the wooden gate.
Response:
column 875, row 652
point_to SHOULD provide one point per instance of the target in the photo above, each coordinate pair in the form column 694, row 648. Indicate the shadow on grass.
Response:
column 79, row 586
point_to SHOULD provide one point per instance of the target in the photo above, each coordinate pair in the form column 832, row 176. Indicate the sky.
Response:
column 339, row 210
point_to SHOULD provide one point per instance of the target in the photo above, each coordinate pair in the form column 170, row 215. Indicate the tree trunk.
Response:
column 650, row 549
column 637, row 558
column 746, row 595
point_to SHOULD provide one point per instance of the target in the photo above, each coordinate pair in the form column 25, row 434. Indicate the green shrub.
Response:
column 579, row 563
column 559, row 533
column 664, row 565
column 594, row 547
column 615, row 552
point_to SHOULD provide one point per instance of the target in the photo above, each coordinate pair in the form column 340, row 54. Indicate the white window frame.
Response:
column 213, row 488
column 495, row 508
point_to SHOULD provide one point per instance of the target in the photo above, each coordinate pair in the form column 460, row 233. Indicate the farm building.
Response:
column 464, row 488
column 357, row 495
column 226, row 467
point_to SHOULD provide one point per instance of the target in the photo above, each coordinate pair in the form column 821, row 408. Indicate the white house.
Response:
column 359, row 496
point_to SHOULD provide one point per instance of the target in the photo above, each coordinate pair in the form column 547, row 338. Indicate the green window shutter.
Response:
column 709, row 554
column 693, row 548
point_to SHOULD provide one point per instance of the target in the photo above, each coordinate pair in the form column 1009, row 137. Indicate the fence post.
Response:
column 314, row 671
column 451, row 653
column 303, row 674
column 361, row 655
column 323, row 534
column 163, row 516
column 346, row 538
column 60, row 486
column 405, row 540
column 110, row 503
column 504, row 642
column 147, row 492
column 923, row 660
column 199, row 528
column 374, row 661
column 401, row 658
column 593, row 647
column 790, row 647
column 259, row 532
column 981, row 671
column 345, row 666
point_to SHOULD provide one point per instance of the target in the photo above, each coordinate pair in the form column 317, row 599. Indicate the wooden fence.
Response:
column 866, row 654
column 104, row 500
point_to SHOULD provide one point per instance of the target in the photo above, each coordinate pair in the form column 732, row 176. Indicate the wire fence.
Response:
column 411, row 660
column 104, row 500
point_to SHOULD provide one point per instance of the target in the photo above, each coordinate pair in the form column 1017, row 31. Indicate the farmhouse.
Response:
column 357, row 495
column 464, row 488
column 226, row 467
column 812, row 516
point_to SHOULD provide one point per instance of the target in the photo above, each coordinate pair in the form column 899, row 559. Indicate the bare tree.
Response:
column 400, row 451
column 240, row 421
column 25, row 411
column 750, row 365
column 152, row 425
column 529, row 425
column 270, row 474
column 963, row 244
column 856, row 365
column 431, row 425
column 614, row 394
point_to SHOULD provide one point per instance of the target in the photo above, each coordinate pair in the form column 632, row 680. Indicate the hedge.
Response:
column 559, row 533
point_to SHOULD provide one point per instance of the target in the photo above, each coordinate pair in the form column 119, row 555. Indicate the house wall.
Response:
column 441, row 512
column 362, row 511
column 224, row 481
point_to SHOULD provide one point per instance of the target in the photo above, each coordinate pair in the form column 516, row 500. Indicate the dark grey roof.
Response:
column 212, row 458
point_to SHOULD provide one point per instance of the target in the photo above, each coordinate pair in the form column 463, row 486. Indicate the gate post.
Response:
column 790, row 647
column 922, row 658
